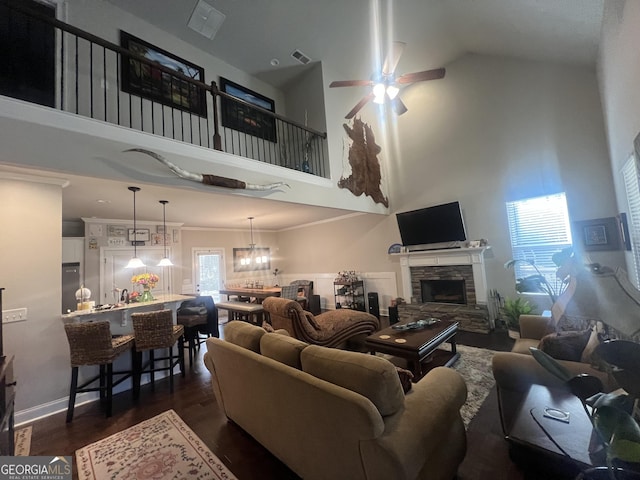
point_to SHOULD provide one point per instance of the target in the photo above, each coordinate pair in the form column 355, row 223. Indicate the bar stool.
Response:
column 155, row 330
column 198, row 316
column 91, row 343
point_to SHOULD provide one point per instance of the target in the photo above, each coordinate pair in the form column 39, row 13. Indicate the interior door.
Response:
column 208, row 271
column 114, row 275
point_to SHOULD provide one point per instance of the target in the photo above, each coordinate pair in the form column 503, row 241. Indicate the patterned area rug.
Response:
column 22, row 441
column 163, row 447
column 474, row 365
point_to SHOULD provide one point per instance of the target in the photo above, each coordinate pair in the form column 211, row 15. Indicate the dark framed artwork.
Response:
column 148, row 82
column 599, row 234
column 245, row 119
column 250, row 259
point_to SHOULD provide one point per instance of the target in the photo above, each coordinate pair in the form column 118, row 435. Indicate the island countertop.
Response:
column 120, row 316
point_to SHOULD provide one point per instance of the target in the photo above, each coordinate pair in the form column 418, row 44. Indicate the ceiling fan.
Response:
column 385, row 85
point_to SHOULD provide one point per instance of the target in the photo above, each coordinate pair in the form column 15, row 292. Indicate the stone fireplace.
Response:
column 447, row 283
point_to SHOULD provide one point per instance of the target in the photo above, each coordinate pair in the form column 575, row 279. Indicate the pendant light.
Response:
column 135, row 262
column 165, row 262
column 251, row 245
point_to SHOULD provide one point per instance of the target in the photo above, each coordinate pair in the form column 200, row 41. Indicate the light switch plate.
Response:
column 15, row 315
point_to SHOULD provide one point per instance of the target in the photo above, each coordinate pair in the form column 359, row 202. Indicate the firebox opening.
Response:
column 444, row 291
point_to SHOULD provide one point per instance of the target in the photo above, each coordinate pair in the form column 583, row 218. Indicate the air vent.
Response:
column 206, row 20
column 301, row 57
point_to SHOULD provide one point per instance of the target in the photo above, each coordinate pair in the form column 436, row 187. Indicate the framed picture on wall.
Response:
column 244, row 118
column 148, row 82
column 599, row 234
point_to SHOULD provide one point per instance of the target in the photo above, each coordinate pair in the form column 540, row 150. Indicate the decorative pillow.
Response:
column 267, row 326
column 405, row 377
column 565, row 345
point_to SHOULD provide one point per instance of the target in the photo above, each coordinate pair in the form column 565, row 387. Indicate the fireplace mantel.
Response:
column 454, row 256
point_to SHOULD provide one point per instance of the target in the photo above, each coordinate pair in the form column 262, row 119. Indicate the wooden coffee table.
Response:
column 416, row 346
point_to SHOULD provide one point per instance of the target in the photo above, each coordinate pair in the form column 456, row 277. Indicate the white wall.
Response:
column 31, row 246
column 619, row 76
column 494, row 130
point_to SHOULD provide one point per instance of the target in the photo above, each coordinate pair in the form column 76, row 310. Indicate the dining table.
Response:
column 258, row 293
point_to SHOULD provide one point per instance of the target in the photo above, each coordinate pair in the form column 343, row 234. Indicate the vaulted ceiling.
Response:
column 344, row 34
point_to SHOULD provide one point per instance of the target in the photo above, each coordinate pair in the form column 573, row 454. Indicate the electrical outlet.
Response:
column 15, row 315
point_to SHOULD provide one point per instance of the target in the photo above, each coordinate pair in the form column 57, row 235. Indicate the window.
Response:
column 539, row 227
column 632, row 187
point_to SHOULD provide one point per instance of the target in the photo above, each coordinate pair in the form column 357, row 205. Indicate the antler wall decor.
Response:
column 208, row 179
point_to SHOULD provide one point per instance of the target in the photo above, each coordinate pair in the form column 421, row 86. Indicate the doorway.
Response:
column 208, row 271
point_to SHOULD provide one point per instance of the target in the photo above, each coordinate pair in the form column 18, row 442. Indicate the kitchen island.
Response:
column 120, row 315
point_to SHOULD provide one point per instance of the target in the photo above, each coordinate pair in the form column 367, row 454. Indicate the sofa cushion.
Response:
column 282, row 348
column 244, row 335
column 567, row 345
column 373, row 377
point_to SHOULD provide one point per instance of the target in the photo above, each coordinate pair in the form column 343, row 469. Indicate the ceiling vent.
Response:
column 206, row 20
column 301, row 57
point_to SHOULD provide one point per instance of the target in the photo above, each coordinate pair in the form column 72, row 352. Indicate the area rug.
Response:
column 22, row 442
column 160, row 448
column 474, row 365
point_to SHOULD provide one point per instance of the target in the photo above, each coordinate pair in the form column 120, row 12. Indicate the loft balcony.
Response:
column 146, row 89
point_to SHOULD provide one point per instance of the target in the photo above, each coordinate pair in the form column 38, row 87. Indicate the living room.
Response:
column 495, row 129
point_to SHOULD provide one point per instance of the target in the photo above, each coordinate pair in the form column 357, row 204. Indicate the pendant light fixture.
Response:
column 251, row 245
column 165, row 262
column 135, row 262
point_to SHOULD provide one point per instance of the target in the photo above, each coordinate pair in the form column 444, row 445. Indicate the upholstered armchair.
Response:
column 329, row 329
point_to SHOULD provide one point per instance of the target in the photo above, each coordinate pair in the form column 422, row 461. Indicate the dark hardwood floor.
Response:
column 487, row 456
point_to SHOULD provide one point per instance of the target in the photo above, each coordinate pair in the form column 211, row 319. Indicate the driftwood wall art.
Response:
column 208, row 179
column 365, row 167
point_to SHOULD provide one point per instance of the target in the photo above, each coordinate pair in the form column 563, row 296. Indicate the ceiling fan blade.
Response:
column 421, row 76
column 359, row 106
column 398, row 106
column 351, row 83
column 393, row 57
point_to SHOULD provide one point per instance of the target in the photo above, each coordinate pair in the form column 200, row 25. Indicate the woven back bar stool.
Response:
column 91, row 343
column 154, row 331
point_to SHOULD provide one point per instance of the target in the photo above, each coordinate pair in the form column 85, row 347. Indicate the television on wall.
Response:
column 432, row 225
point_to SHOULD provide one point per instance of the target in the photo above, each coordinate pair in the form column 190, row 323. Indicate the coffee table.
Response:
column 417, row 345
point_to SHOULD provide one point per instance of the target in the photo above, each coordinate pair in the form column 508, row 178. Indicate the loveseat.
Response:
column 333, row 414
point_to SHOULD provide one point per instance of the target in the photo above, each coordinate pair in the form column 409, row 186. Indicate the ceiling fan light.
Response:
column 378, row 90
column 392, row 91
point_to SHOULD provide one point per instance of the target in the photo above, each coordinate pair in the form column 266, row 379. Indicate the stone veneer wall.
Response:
column 472, row 318
column 444, row 272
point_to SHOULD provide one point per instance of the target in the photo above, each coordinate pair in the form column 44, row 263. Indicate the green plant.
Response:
column 538, row 282
column 512, row 310
column 610, row 413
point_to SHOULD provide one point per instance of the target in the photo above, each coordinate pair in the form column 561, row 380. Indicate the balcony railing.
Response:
column 81, row 73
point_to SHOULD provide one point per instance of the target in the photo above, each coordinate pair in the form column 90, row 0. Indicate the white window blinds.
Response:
column 539, row 227
column 632, row 187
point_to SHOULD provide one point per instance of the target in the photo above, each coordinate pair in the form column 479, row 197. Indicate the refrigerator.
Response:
column 70, row 283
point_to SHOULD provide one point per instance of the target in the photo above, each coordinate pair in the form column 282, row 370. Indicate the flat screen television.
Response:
column 437, row 224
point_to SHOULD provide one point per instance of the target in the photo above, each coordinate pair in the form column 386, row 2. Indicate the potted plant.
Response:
column 564, row 261
column 611, row 414
column 512, row 309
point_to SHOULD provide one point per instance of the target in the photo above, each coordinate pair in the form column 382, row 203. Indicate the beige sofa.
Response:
column 329, row 413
